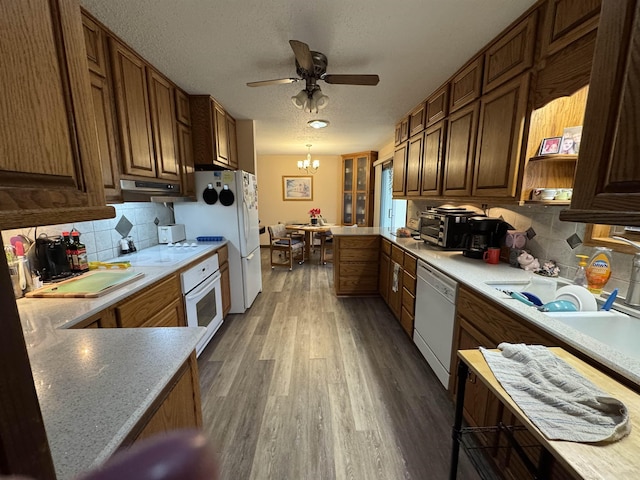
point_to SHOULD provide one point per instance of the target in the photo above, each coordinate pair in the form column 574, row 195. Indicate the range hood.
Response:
column 146, row 190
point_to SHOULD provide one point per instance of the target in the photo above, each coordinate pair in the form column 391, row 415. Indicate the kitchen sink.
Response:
column 616, row 329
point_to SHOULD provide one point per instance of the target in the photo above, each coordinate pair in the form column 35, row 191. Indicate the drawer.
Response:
column 146, row 304
column 397, row 254
column 386, row 246
column 409, row 282
column 406, row 320
column 408, row 301
column 497, row 324
column 359, row 242
column 170, row 316
column 357, row 284
column 410, row 263
column 223, row 254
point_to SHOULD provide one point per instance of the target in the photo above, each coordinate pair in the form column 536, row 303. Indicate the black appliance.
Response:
column 445, row 228
column 484, row 232
column 51, row 258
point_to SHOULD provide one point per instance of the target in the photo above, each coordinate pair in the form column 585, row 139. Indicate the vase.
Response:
column 314, row 221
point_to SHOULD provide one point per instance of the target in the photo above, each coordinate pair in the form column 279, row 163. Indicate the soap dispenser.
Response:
column 599, row 269
column 580, row 277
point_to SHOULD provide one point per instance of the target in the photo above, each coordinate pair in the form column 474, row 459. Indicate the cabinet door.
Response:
column 399, row 169
column 566, row 21
column 220, row 134
column 395, row 289
column 510, row 55
column 460, row 151
column 164, row 126
column 438, row 105
column 402, row 131
column 185, row 160
column 417, row 120
column 607, row 183
column 183, row 110
column 225, row 284
column 233, row 143
column 48, row 142
column 105, row 128
column 431, row 179
column 348, row 165
column 466, row 84
column 383, row 277
column 132, row 105
column 414, row 164
column 502, row 115
column 94, row 41
column 362, row 173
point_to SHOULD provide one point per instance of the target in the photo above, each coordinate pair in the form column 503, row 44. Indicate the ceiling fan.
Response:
column 312, row 66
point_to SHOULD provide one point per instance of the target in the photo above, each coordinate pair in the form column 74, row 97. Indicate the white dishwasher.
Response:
column 435, row 314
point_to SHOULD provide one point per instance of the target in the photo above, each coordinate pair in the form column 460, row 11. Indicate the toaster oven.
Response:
column 446, row 230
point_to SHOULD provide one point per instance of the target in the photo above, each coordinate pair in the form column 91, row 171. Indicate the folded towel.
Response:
column 555, row 397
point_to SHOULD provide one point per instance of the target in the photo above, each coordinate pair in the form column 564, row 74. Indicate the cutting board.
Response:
column 89, row 285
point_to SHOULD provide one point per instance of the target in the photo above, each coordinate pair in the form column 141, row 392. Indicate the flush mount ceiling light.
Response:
column 317, row 123
column 310, row 100
column 307, row 165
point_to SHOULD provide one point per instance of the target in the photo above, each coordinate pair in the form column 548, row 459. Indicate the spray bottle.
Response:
column 580, row 277
column 599, row 269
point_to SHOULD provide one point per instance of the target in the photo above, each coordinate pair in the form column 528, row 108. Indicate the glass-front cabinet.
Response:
column 357, row 188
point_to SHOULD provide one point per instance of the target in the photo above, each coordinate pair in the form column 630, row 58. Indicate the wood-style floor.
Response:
column 306, row 385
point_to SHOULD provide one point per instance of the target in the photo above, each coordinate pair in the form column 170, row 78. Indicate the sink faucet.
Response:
column 633, row 293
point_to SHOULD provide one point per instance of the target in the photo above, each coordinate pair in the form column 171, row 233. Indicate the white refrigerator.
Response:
column 228, row 206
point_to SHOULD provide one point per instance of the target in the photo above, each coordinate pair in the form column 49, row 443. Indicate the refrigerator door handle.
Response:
column 246, row 220
column 250, row 257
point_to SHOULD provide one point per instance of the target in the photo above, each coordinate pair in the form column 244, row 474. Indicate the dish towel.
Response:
column 556, row 398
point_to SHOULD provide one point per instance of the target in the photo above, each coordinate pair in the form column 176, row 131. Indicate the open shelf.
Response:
column 556, row 157
column 546, row 202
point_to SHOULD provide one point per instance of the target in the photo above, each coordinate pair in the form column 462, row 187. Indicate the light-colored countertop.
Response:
column 94, row 385
column 474, row 273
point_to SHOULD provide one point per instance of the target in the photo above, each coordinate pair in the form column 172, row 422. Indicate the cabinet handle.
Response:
column 471, row 377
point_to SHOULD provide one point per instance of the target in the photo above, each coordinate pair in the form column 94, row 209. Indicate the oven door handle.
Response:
column 204, row 288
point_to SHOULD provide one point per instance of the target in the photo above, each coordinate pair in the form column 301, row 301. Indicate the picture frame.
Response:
column 550, row 146
column 571, row 137
column 297, row 187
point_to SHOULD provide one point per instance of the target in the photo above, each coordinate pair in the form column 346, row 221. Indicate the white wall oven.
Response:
column 203, row 298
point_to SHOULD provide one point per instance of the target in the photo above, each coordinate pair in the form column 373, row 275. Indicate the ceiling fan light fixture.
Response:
column 300, row 100
column 318, row 123
column 317, row 101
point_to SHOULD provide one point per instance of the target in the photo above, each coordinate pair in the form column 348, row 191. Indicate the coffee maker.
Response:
column 51, row 258
column 484, row 232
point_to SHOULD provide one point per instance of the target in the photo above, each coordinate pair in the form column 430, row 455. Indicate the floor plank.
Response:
column 308, row 386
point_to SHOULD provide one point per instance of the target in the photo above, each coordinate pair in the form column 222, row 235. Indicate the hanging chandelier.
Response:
column 307, row 165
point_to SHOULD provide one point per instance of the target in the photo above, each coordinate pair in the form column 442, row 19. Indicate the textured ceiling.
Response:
column 216, row 47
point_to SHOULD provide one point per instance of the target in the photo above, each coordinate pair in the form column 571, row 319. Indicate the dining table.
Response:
column 309, row 230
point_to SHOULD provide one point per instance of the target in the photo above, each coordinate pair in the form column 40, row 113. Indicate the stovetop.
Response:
column 163, row 254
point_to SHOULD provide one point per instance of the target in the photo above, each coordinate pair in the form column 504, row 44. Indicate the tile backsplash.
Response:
column 553, row 238
column 100, row 236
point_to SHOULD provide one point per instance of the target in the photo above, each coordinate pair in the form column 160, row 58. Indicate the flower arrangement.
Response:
column 314, row 212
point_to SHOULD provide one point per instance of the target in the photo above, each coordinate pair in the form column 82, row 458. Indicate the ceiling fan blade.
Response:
column 303, row 54
column 352, row 79
column 278, row 81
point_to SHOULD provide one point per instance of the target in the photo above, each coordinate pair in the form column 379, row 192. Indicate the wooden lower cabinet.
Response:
column 180, row 407
column 225, row 283
column 481, row 322
column 383, row 276
column 356, row 264
column 157, row 305
column 104, row 319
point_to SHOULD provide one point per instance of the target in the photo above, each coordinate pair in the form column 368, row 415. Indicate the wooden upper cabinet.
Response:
column 607, row 183
column 466, row 84
column 232, row 142
column 462, row 128
column 49, row 171
column 94, row 40
column 437, row 105
column 183, row 111
column 500, row 138
column 399, row 169
column 417, row 119
column 414, row 165
column 402, row 131
column 510, row 55
column 566, row 21
column 432, row 159
column 161, row 103
column 185, row 157
column 132, row 106
column 221, row 137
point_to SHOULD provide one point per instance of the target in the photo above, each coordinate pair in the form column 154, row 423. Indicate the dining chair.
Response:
column 281, row 242
column 326, row 245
